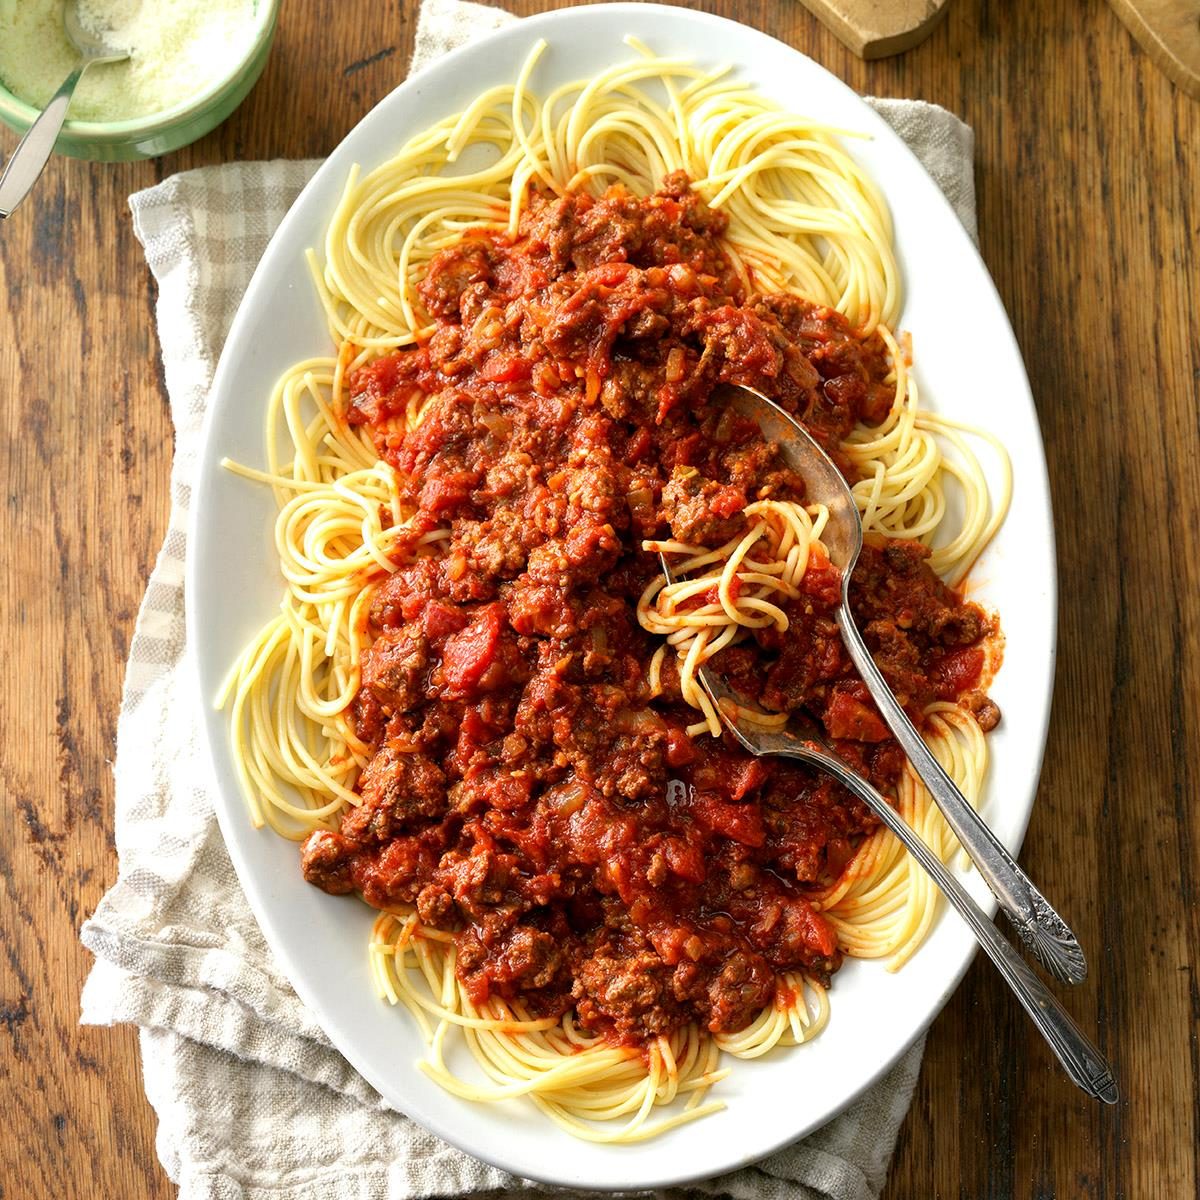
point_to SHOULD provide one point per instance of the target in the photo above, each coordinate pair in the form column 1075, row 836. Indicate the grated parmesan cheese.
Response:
column 178, row 49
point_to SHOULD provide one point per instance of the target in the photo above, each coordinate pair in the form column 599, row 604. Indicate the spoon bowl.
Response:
column 92, row 45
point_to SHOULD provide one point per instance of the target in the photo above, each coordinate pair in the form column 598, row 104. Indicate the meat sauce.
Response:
column 526, row 791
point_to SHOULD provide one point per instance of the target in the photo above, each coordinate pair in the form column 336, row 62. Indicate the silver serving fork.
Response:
column 803, row 741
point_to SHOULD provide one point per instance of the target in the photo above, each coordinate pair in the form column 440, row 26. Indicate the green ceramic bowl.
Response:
column 150, row 136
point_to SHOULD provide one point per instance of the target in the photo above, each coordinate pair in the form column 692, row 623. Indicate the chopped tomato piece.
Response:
column 468, row 653
column 440, row 619
column 958, row 672
column 738, row 822
column 819, row 933
column 728, row 501
column 506, row 368
column 445, row 492
column 854, row 720
column 685, row 859
column 680, row 748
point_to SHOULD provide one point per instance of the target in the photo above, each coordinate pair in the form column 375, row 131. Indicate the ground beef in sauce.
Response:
column 526, row 793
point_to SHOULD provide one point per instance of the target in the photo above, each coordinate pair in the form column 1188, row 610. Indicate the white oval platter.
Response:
column 969, row 367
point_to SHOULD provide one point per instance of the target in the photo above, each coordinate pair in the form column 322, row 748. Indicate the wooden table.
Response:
column 1088, row 169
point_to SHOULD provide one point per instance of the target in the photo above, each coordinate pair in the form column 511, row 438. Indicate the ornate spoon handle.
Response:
column 1039, row 926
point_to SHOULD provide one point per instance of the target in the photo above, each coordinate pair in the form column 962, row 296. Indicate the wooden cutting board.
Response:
column 1168, row 30
column 877, row 28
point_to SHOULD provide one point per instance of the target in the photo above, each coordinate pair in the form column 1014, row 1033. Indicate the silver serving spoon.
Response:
column 1041, row 928
column 802, row 740
column 33, row 151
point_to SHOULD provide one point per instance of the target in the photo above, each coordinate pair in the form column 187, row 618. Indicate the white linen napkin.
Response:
column 253, row 1101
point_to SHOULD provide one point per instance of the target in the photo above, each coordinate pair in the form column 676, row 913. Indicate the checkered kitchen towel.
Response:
column 253, row 1102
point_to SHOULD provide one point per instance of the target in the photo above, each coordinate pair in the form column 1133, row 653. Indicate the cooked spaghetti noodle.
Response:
column 741, row 587
column 352, row 442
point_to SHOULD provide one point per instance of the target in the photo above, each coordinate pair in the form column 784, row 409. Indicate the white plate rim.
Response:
column 613, row 1168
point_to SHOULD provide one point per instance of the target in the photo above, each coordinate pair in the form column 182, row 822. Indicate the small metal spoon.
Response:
column 33, row 151
column 802, row 740
column 1041, row 928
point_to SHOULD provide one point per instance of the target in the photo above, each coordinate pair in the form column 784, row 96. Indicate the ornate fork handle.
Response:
column 1085, row 1064
column 1082, row 1061
column 1037, row 924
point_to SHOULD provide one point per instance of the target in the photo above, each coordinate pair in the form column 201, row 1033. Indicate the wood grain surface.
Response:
column 1088, row 168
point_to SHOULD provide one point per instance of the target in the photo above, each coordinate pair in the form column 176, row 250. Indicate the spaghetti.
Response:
column 455, row 708
column 701, row 614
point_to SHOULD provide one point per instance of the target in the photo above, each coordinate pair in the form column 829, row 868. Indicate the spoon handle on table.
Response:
column 1085, row 1064
column 1037, row 924
column 33, row 151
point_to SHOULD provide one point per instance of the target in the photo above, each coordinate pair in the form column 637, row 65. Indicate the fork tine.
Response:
column 715, row 687
column 719, row 690
column 666, row 567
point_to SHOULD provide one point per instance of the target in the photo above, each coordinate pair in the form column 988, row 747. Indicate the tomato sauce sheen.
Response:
column 527, row 793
